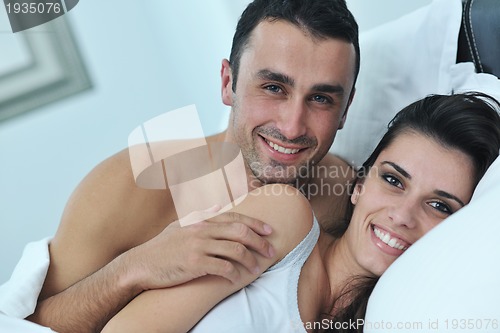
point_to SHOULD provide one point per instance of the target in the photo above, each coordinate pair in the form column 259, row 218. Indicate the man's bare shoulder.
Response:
column 110, row 191
column 331, row 175
column 338, row 169
column 106, row 215
column 330, row 188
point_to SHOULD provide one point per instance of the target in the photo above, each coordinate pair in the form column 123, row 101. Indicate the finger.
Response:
column 223, row 268
column 241, row 233
column 256, row 225
column 234, row 252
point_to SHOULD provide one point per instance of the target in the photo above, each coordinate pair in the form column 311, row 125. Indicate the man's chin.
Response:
column 279, row 175
column 279, row 180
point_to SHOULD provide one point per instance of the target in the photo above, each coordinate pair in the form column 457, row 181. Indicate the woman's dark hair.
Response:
column 321, row 18
column 468, row 122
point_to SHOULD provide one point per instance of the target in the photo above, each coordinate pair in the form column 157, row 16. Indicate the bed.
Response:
column 448, row 279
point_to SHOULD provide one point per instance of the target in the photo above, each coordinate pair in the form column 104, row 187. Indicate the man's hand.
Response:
column 212, row 246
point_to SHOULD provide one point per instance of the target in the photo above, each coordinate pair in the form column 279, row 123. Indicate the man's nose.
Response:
column 292, row 122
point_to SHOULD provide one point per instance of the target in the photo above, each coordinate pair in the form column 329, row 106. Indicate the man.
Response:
column 289, row 81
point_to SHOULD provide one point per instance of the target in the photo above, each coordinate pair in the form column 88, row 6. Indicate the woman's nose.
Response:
column 403, row 212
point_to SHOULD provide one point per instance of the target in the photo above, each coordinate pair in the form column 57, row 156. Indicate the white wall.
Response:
column 145, row 58
column 369, row 13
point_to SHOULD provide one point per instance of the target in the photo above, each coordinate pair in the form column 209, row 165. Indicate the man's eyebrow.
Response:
column 398, row 169
column 266, row 74
column 449, row 196
column 329, row 88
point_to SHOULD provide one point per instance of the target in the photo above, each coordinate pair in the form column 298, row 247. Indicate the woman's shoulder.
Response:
column 285, row 209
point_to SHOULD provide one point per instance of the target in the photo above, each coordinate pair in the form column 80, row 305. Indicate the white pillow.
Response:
column 448, row 281
column 401, row 61
column 11, row 324
column 464, row 78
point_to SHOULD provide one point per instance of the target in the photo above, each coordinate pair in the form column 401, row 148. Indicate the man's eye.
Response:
column 273, row 88
column 321, row 99
column 441, row 206
column 392, row 180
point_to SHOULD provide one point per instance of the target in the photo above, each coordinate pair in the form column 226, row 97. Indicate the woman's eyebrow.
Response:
column 399, row 169
column 441, row 193
column 449, row 196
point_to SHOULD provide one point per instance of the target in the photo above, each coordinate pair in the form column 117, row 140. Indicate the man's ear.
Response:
column 226, row 76
column 344, row 116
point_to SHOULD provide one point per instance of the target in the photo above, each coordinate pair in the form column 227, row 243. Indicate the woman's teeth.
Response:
column 386, row 238
column 282, row 149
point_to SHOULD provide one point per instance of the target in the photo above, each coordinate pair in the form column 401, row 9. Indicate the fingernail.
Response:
column 267, row 228
column 256, row 270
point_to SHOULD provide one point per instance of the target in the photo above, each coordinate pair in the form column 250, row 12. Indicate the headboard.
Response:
column 479, row 36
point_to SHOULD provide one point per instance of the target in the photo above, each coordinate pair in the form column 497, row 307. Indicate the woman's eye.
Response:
column 392, row 180
column 441, row 206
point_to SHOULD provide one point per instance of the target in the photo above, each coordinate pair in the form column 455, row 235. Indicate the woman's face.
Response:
column 414, row 184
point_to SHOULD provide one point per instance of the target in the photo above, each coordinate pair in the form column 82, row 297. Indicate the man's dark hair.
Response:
column 321, row 18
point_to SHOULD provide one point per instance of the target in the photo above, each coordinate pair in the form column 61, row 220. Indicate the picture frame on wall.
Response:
column 39, row 66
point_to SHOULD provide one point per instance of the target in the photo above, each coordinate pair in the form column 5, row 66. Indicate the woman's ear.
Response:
column 226, row 76
column 358, row 188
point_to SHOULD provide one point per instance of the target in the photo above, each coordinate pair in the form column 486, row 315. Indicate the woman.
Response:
column 424, row 169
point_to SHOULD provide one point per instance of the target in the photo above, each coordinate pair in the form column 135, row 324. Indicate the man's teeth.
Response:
column 282, row 149
column 386, row 238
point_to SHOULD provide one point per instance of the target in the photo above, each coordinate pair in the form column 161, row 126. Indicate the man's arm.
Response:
column 112, row 244
column 179, row 308
column 89, row 304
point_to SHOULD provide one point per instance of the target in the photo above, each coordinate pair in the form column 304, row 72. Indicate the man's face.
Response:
column 291, row 96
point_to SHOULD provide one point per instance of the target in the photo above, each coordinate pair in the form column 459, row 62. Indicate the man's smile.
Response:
column 281, row 149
